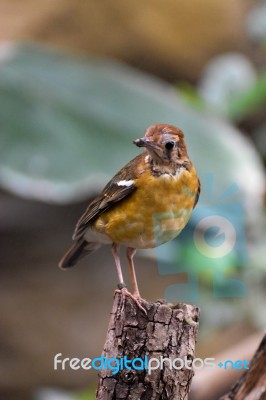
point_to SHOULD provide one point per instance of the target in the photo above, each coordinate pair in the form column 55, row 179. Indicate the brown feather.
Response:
column 198, row 194
column 78, row 250
column 111, row 194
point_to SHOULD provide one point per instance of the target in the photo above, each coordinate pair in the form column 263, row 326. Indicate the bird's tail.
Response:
column 77, row 251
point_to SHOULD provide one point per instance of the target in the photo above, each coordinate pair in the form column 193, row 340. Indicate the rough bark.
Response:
column 167, row 331
column 252, row 384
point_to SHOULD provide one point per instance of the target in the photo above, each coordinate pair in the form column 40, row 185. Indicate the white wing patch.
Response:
column 125, row 183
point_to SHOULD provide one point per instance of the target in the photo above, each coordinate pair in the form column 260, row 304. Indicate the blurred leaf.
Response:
column 253, row 99
column 53, row 394
column 67, row 124
column 60, row 394
column 226, row 78
column 86, row 395
column 256, row 22
column 190, row 95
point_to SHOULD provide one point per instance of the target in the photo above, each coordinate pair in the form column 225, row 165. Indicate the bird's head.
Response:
column 165, row 144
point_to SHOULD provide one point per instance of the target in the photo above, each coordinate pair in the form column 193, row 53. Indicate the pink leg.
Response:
column 135, row 296
column 130, row 254
column 115, row 251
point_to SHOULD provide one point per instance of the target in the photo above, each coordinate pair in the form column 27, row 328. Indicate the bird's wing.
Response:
column 198, row 194
column 121, row 186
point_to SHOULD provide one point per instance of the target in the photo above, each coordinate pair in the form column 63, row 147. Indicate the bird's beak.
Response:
column 144, row 142
column 153, row 148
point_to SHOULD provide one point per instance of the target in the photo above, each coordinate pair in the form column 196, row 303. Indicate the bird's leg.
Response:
column 121, row 286
column 115, row 251
column 135, row 296
column 130, row 254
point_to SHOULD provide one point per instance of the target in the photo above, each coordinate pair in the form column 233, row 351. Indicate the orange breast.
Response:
column 154, row 213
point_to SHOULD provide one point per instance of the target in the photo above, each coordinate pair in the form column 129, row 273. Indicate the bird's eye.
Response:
column 169, row 145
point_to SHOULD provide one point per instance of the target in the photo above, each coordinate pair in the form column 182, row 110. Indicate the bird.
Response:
column 146, row 204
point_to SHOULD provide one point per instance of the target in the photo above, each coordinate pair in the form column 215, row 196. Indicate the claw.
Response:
column 125, row 293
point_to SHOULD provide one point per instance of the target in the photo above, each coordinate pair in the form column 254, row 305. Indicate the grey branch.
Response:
column 252, row 384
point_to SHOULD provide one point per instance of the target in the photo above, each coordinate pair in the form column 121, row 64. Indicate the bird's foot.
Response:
column 135, row 297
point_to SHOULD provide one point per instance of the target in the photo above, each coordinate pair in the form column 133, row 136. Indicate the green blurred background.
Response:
column 78, row 82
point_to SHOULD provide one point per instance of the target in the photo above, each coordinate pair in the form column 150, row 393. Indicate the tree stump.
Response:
column 165, row 331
